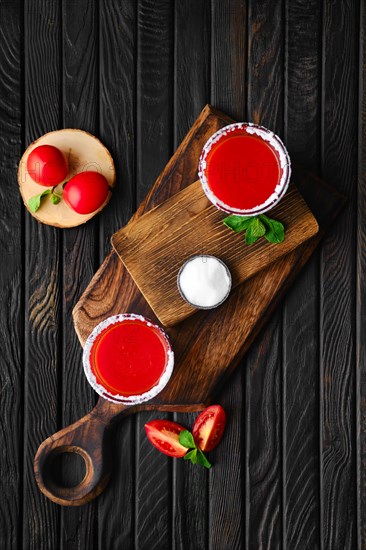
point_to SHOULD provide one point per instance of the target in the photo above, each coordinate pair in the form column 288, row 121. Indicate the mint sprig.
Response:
column 275, row 231
column 256, row 227
column 255, row 230
column 34, row 203
column 195, row 455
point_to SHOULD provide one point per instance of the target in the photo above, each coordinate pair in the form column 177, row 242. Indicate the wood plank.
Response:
column 43, row 285
column 154, row 142
column 117, row 76
column 229, row 92
column 264, row 363
column 361, row 292
column 11, row 278
column 80, row 104
column 154, row 247
column 337, row 299
column 191, row 91
column 300, row 385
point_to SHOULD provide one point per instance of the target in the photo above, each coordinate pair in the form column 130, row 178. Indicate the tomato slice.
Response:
column 209, row 427
column 164, row 435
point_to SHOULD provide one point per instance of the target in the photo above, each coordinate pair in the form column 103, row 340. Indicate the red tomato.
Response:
column 86, row 192
column 209, row 427
column 164, row 435
column 47, row 165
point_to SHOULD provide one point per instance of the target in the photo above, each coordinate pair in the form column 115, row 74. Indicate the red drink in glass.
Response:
column 244, row 169
column 127, row 359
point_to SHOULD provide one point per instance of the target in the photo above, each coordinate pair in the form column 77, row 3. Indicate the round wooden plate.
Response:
column 83, row 152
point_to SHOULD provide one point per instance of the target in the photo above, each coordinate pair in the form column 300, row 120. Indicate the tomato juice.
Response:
column 244, row 169
column 127, row 359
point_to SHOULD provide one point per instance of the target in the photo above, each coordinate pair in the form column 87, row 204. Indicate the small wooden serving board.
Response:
column 154, row 247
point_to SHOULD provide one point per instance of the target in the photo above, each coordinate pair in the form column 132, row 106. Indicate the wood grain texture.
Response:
column 41, row 518
column 11, row 284
column 187, row 388
column 197, row 27
column 117, row 102
column 112, row 288
column 191, row 90
column 80, row 110
column 337, row 287
column 264, row 366
column 90, row 442
column 300, row 384
column 154, row 123
column 229, row 90
column 185, row 370
column 361, row 293
column 154, row 247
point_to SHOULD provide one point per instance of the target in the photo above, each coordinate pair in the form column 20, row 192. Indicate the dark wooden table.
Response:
column 291, row 470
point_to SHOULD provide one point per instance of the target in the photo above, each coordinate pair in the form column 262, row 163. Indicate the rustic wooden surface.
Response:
column 207, row 347
column 154, row 247
column 136, row 74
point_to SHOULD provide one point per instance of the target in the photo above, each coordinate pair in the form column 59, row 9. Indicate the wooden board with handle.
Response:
column 207, row 345
column 154, row 247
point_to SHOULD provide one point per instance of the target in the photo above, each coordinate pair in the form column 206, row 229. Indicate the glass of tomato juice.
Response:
column 244, row 169
column 127, row 359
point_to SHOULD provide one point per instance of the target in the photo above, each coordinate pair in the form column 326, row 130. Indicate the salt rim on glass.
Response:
column 284, row 162
column 124, row 399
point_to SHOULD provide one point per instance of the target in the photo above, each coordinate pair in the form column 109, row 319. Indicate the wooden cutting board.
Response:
column 207, row 345
column 155, row 246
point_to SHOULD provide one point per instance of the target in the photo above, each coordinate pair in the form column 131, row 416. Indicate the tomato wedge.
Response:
column 164, row 435
column 209, row 427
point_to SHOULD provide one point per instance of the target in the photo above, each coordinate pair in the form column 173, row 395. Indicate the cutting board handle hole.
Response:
column 65, row 468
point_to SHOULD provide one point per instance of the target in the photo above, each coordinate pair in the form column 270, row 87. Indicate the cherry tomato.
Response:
column 164, row 435
column 47, row 165
column 209, row 427
column 86, row 192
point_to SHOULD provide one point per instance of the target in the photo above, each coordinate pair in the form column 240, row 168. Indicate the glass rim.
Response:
column 126, row 399
column 284, row 161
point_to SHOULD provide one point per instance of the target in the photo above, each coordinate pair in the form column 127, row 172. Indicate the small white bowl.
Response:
column 183, row 294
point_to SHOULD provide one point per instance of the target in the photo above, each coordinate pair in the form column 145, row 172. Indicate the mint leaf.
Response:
column 195, row 455
column 35, row 202
column 202, row 460
column 192, row 456
column 237, row 223
column 275, row 231
column 186, row 439
column 255, row 230
column 55, row 198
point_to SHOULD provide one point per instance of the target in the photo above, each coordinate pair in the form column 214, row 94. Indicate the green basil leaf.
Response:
column 186, row 439
column 255, row 230
column 202, row 460
column 275, row 231
column 192, row 456
column 35, row 202
column 55, row 198
column 237, row 223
